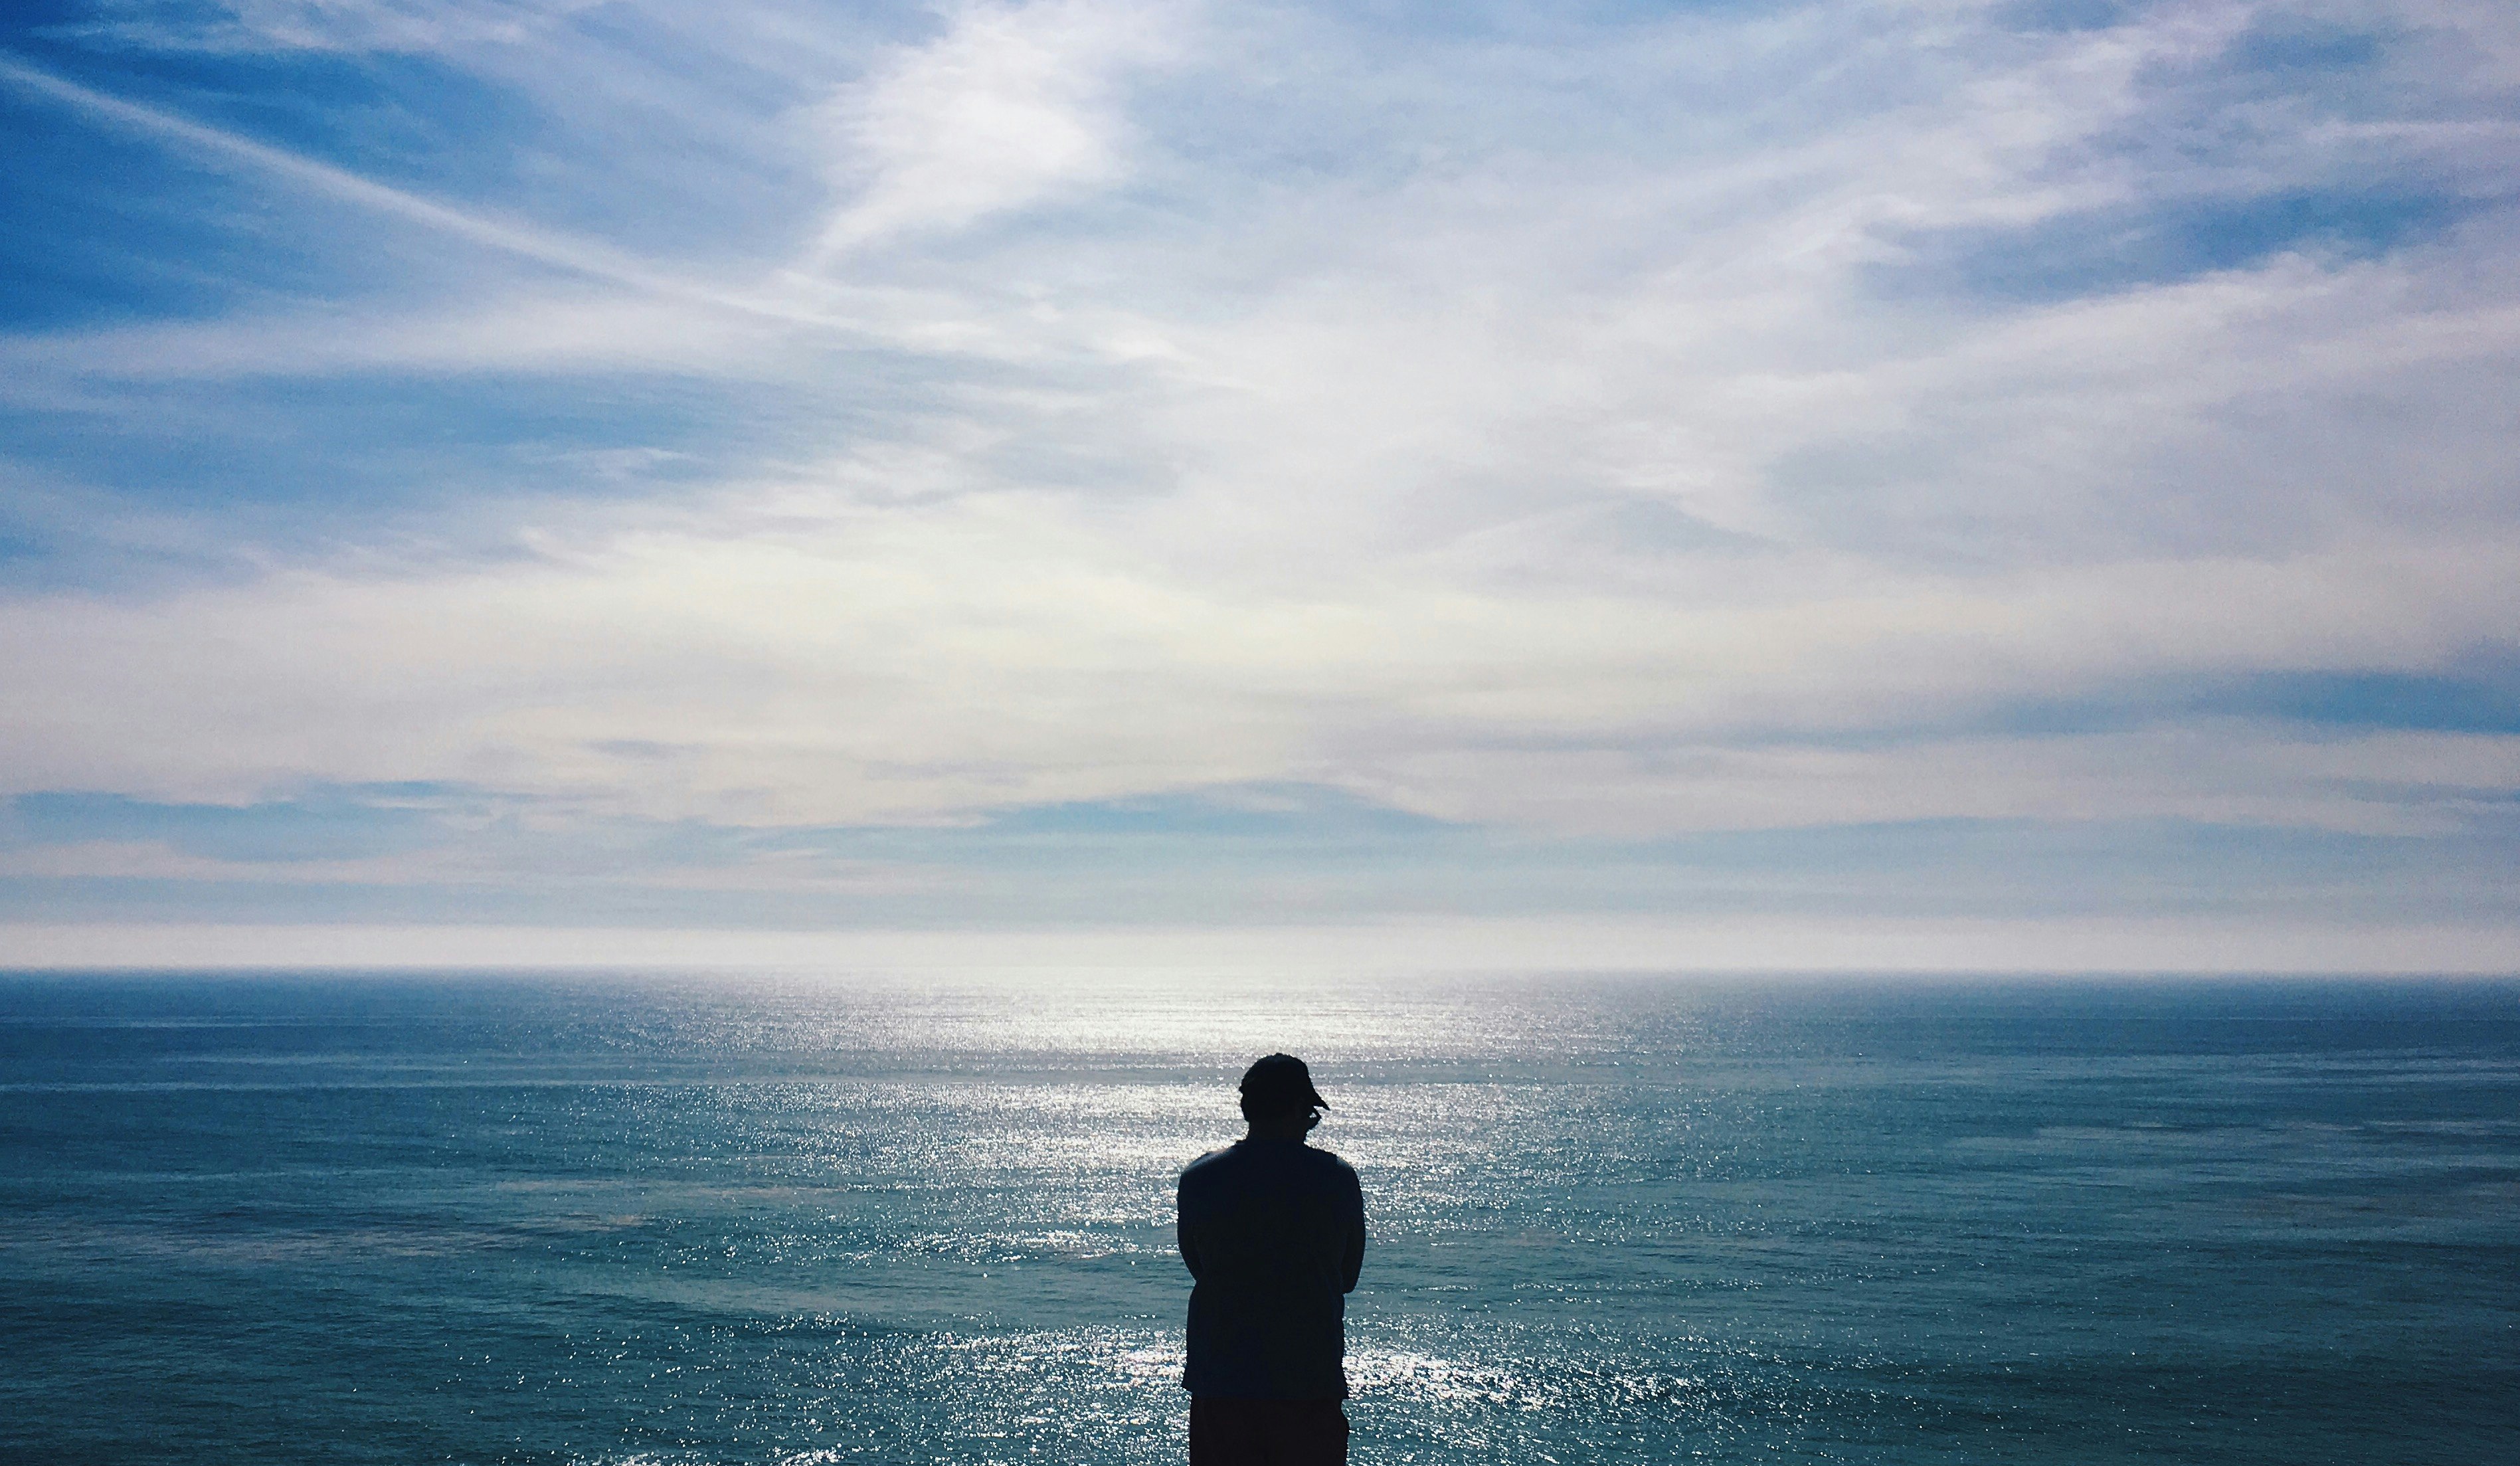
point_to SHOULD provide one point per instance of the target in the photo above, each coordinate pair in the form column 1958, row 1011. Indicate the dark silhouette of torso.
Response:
column 1274, row 1233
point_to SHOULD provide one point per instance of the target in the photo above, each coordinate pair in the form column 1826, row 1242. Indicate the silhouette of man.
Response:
column 1273, row 1231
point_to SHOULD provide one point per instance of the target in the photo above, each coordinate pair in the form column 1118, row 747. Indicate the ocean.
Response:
column 668, row 1220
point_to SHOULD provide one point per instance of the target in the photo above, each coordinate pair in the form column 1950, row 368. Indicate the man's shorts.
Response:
column 1267, row 1432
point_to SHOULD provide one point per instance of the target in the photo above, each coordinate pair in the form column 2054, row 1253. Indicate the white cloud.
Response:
column 1010, row 107
column 921, row 658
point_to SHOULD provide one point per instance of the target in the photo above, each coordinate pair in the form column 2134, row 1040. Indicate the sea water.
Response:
column 830, row 1218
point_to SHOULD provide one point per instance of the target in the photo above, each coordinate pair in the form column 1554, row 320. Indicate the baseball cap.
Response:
column 1281, row 1081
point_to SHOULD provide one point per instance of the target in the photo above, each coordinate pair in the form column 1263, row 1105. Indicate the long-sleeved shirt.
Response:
column 1273, row 1234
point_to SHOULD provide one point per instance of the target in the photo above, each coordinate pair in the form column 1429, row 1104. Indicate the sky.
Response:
column 1857, row 483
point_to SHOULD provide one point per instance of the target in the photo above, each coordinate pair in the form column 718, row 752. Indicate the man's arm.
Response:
column 1354, row 1261
column 1181, row 1237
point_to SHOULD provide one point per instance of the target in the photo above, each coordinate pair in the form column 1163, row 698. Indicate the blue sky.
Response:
column 1812, row 472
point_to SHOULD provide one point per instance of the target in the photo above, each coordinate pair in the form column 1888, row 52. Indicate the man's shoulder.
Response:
column 1220, row 1156
column 1329, row 1162
column 1342, row 1178
column 1272, row 1160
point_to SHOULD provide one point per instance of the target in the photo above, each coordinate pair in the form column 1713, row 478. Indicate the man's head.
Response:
column 1278, row 1091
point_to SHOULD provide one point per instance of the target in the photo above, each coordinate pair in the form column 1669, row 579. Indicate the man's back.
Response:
column 1274, row 1233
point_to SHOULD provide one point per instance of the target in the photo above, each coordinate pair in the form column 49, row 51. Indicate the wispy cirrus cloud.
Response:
column 318, row 26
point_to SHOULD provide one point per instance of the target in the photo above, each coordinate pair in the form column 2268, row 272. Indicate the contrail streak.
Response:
column 541, row 246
